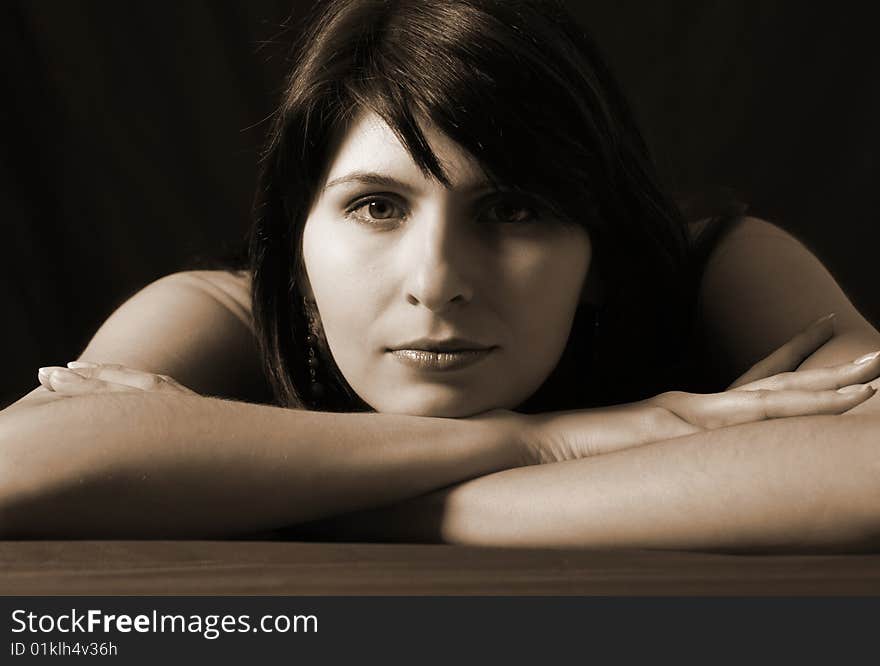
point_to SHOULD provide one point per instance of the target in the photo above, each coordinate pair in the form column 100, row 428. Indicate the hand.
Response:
column 82, row 377
column 790, row 355
column 770, row 389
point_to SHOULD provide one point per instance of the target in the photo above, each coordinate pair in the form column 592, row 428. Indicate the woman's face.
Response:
column 436, row 301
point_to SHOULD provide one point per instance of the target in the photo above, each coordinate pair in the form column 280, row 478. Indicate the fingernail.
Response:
column 866, row 358
column 822, row 320
column 65, row 375
column 855, row 388
column 43, row 373
column 82, row 364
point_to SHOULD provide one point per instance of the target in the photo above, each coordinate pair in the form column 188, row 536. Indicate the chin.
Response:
column 437, row 403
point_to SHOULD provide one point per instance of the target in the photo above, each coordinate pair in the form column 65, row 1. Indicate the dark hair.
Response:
column 516, row 84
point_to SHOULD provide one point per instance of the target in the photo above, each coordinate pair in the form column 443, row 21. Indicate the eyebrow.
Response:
column 382, row 180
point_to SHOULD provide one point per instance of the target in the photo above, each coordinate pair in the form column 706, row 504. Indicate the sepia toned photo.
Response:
column 467, row 297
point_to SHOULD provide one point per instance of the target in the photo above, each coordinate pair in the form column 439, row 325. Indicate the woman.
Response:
column 459, row 234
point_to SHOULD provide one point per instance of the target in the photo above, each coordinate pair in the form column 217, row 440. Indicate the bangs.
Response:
column 525, row 124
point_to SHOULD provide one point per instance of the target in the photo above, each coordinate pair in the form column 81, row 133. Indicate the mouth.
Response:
column 440, row 354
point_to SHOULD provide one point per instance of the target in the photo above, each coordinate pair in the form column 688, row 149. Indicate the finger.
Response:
column 790, row 355
column 88, row 366
column 736, row 407
column 43, row 377
column 120, row 374
column 67, row 382
column 860, row 371
column 75, row 365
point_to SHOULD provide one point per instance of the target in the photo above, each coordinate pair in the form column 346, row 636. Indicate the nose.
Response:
column 438, row 253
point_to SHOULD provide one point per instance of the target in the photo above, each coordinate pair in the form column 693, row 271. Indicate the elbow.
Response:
column 868, row 509
column 34, row 475
column 846, row 510
column 19, row 487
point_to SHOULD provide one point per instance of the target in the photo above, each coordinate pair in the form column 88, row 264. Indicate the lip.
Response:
column 441, row 345
column 425, row 359
column 452, row 353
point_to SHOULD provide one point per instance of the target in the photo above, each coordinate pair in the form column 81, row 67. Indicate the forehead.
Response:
column 369, row 145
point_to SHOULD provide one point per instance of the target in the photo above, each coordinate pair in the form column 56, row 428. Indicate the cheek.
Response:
column 327, row 267
column 344, row 279
column 547, row 278
column 544, row 286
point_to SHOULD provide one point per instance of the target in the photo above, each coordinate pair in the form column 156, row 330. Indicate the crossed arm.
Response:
column 808, row 482
column 799, row 484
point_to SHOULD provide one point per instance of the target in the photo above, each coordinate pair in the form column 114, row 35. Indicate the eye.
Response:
column 376, row 210
column 509, row 212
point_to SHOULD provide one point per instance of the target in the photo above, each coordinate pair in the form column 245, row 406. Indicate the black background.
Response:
column 131, row 132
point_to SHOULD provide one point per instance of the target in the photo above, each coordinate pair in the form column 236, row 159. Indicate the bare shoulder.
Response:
column 231, row 289
column 743, row 228
column 754, row 247
column 760, row 286
column 195, row 326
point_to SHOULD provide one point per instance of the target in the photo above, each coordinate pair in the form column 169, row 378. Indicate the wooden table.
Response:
column 302, row 568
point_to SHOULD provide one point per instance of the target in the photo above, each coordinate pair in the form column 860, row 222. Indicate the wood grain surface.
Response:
column 294, row 568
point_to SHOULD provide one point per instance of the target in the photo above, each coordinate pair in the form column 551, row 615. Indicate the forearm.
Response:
column 146, row 464
column 809, row 482
column 789, row 484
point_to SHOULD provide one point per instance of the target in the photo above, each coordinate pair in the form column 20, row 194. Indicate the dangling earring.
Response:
column 316, row 389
